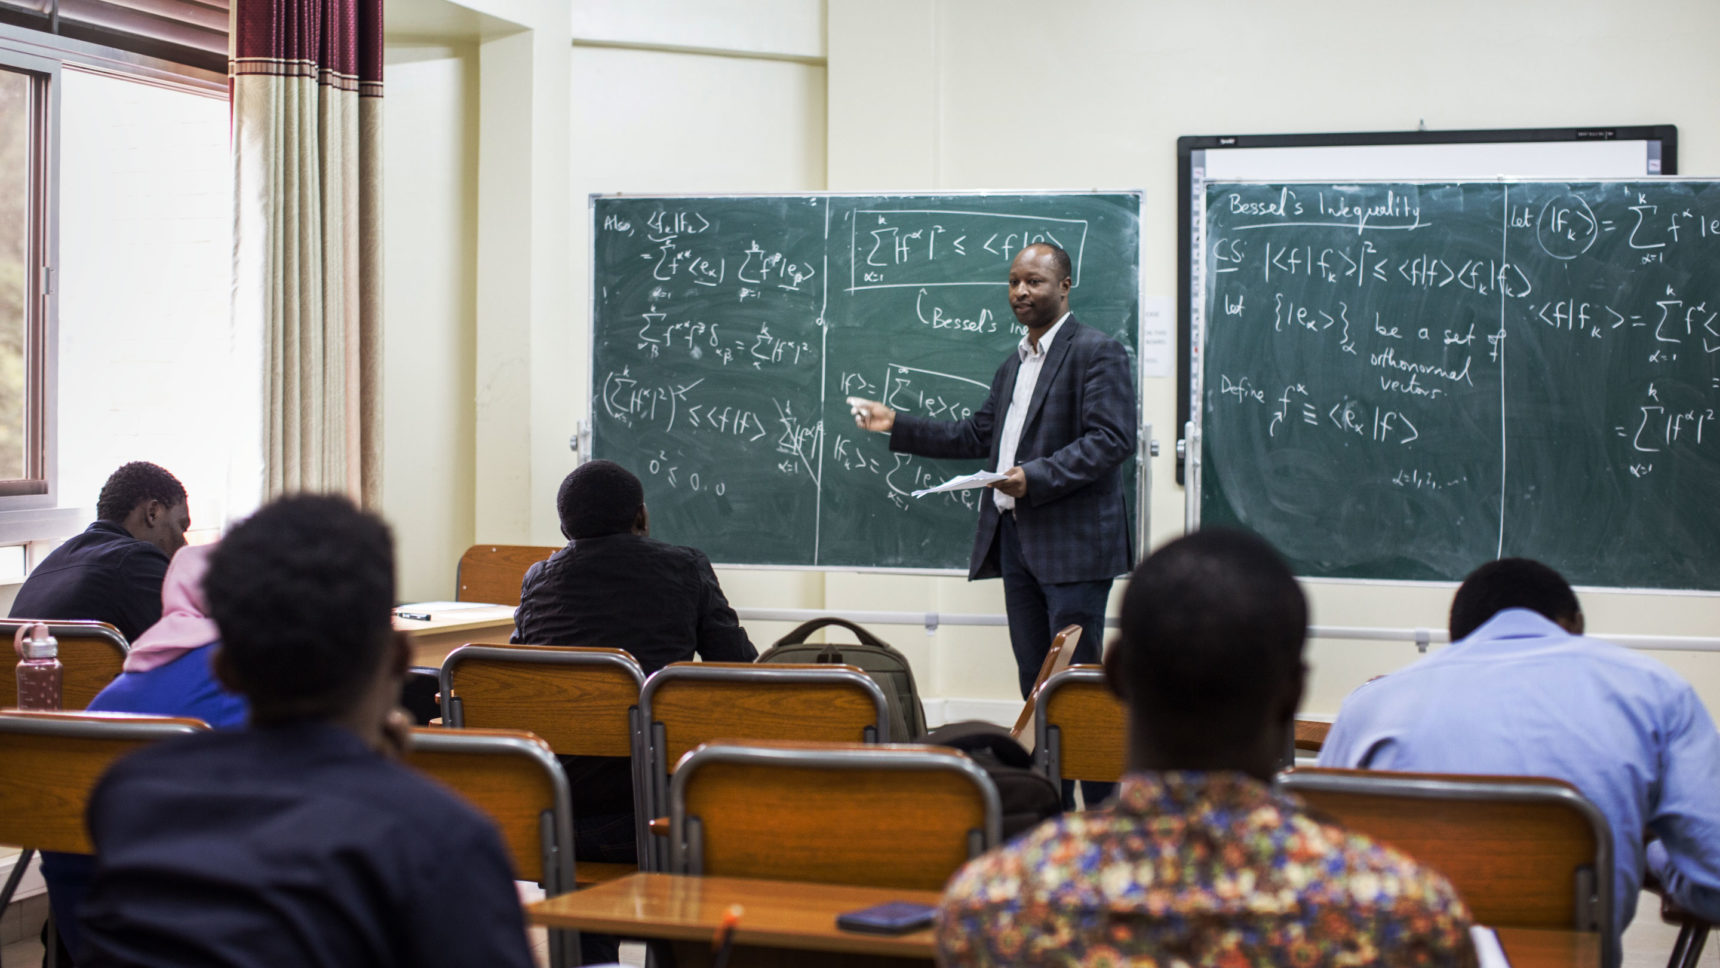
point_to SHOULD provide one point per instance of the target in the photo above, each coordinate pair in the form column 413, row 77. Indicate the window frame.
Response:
column 38, row 513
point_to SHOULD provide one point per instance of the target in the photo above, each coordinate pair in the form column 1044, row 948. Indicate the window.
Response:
column 23, row 258
column 116, row 339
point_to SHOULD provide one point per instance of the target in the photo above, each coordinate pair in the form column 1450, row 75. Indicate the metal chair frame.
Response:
column 73, row 726
column 1048, row 736
column 555, row 824
column 453, row 710
column 652, row 795
column 1593, row 889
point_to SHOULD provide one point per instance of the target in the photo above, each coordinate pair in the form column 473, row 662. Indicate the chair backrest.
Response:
column 1083, row 730
column 50, row 762
column 685, row 704
column 900, row 816
column 91, row 652
column 1056, row 660
column 1524, row 852
column 512, row 777
column 583, row 702
column 492, row 573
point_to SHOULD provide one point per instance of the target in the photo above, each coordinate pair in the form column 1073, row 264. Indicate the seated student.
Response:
column 1522, row 691
column 169, row 672
column 298, row 840
column 1198, row 861
column 615, row 586
column 112, row 571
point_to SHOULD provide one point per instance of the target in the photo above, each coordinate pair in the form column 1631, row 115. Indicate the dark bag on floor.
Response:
column 885, row 665
column 1028, row 796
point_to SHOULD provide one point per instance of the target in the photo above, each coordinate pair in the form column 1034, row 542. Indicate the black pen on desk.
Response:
column 724, row 942
column 414, row 616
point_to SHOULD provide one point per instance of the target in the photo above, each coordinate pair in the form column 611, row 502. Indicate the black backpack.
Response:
column 1028, row 796
column 875, row 657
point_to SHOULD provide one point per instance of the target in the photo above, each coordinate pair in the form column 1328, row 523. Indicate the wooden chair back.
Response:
column 685, row 704
column 1310, row 735
column 1083, row 731
column 1056, row 660
column 512, row 777
column 493, row 573
column 583, row 702
column 92, row 653
column 900, row 816
column 1523, row 852
column 50, row 762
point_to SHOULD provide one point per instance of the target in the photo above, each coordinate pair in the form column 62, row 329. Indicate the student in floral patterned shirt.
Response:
column 1198, row 861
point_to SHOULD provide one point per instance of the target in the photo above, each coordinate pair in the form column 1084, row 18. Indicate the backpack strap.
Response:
column 800, row 632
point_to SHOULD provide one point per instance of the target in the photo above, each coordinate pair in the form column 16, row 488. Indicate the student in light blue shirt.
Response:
column 1522, row 691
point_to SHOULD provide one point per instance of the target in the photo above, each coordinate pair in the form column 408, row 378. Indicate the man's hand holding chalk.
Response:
column 871, row 415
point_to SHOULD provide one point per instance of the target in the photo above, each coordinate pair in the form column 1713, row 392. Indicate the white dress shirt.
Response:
column 1032, row 361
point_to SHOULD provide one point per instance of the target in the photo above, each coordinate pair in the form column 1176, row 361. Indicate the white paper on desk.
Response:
column 1488, row 952
column 420, row 608
column 965, row 482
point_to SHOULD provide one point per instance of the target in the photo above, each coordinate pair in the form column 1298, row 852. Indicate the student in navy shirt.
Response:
column 299, row 839
column 112, row 572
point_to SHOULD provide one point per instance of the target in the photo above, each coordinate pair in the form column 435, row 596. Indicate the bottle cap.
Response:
column 40, row 645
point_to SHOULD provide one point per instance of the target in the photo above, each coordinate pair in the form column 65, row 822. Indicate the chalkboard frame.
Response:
column 1145, row 447
column 1187, row 145
column 1191, row 449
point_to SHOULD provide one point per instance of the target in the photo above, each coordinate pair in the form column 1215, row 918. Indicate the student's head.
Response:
column 302, row 593
column 1513, row 583
column 1209, row 657
column 148, row 502
column 600, row 497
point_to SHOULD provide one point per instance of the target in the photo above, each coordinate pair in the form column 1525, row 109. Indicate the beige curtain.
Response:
column 307, row 98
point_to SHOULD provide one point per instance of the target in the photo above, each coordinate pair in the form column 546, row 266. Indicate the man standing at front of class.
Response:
column 1059, row 423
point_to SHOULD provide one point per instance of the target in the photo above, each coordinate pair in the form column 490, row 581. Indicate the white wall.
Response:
column 977, row 94
column 429, row 309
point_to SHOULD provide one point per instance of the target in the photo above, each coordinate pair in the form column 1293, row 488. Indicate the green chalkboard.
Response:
column 1407, row 380
column 727, row 331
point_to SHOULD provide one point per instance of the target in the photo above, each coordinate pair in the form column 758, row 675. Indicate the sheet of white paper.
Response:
column 1157, row 346
column 1488, row 952
column 421, row 607
column 963, row 483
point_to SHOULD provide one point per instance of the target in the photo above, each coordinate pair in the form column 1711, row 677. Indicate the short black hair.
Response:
column 1510, row 583
column 600, row 497
column 1059, row 258
column 135, row 483
column 302, row 593
column 1213, row 626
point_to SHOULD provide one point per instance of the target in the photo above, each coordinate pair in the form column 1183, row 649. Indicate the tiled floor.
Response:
column 1646, row 944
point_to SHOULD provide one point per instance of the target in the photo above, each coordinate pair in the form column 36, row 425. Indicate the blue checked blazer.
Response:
column 1080, row 429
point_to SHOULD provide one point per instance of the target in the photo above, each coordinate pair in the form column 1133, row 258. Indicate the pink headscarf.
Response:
column 184, row 623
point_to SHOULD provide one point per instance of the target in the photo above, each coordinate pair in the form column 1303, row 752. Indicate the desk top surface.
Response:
column 449, row 628
column 778, row 914
column 783, row 914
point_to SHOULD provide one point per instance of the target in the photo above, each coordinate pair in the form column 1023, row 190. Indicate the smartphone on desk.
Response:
column 894, row 917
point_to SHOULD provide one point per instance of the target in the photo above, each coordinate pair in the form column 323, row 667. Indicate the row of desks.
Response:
column 784, row 922
column 787, row 923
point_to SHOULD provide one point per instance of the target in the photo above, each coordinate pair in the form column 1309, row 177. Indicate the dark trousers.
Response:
column 1037, row 612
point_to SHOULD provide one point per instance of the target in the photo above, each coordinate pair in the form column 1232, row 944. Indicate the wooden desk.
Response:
column 785, row 920
column 447, row 631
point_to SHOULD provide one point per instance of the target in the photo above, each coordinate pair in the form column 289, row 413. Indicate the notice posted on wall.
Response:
column 1157, row 346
